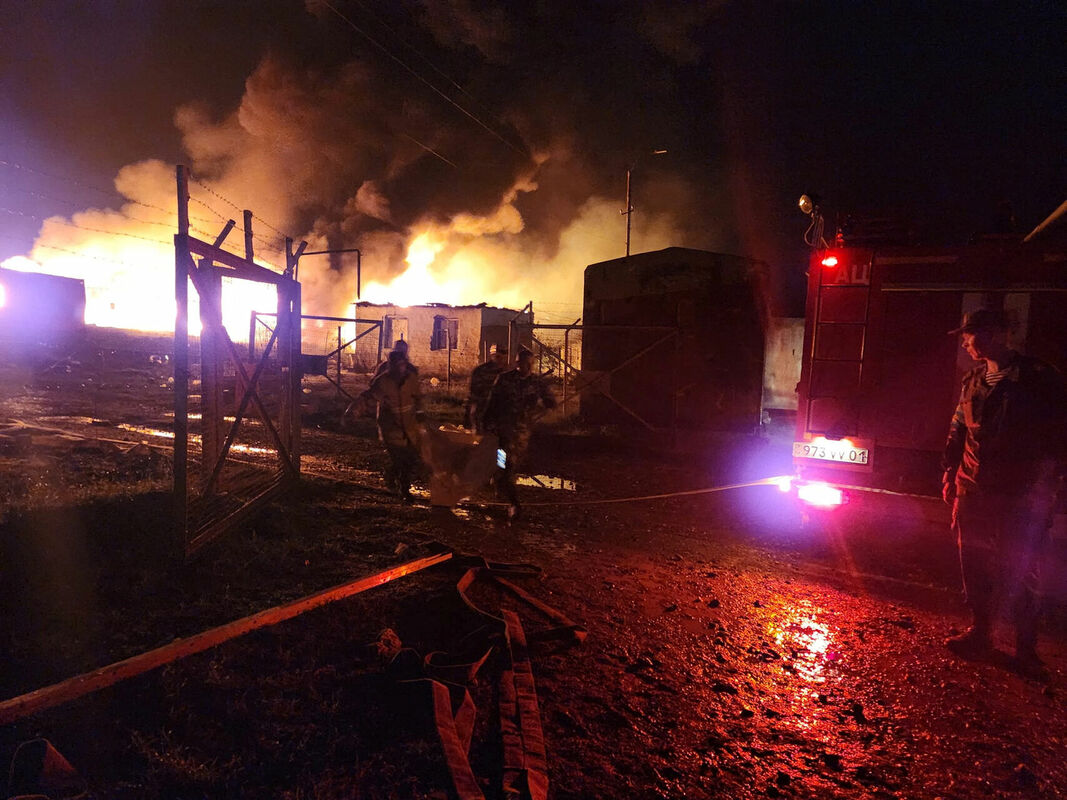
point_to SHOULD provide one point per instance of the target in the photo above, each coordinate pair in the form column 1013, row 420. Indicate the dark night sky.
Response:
column 931, row 111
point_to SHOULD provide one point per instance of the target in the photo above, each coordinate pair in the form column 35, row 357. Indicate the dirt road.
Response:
column 731, row 652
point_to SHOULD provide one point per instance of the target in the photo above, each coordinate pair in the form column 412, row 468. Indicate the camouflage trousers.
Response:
column 401, row 470
column 1002, row 541
column 515, row 445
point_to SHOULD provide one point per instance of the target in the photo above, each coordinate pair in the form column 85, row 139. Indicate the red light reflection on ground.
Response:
column 811, row 650
column 809, row 641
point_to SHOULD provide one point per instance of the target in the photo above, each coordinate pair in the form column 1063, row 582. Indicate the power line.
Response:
column 368, row 10
column 413, row 49
column 171, row 214
column 172, row 224
column 129, row 201
column 78, row 253
column 211, row 191
column 160, row 242
column 55, row 220
column 428, row 149
column 13, row 165
column 423, row 80
column 81, row 205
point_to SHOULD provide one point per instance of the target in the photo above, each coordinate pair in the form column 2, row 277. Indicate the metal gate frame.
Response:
column 214, row 510
column 373, row 324
column 593, row 383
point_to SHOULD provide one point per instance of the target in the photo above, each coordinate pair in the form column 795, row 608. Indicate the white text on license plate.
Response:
column 831, row 451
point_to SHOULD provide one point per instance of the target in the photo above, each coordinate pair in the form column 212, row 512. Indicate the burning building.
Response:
column 442, row 339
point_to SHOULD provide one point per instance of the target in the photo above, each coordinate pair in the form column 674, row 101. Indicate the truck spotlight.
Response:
column 830, row 261
column 809, row 204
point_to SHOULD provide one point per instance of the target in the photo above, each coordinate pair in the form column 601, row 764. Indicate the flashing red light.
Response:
column 822, row 495
column 830, row 261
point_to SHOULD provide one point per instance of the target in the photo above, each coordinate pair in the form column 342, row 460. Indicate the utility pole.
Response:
column 629, row 211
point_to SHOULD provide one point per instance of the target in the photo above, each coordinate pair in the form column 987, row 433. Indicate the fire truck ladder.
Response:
column 838, row 347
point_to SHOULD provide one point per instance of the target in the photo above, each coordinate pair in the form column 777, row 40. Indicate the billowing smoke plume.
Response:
column 501, row 191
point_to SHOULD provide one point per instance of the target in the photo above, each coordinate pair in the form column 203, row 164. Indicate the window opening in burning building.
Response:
column 445, row 333
column 396, row 328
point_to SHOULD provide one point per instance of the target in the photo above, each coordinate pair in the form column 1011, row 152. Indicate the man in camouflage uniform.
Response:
column 509, row 414
column 399, row 399
column 1003, row 464
column 482, row 379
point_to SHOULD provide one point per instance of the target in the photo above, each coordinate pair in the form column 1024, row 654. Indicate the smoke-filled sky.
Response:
column 501, row 132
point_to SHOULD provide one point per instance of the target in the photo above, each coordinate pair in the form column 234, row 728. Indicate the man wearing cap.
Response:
column 483, row 377
column 509, row 414
column 1003, row 462
column 399, row 399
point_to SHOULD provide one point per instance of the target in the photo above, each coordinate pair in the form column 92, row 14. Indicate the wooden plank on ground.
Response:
column 80, row 685
column 564, row 622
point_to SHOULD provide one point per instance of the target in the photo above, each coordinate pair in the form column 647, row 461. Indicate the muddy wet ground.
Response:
column 732, row 651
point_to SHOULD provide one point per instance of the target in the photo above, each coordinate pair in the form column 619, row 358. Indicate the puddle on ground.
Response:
column 809, row 642
column 196, row 439
column 810, row 650
column 547, row 482
column 153, row 431
column 195, row 415
column 259, row 451
column 75, row 419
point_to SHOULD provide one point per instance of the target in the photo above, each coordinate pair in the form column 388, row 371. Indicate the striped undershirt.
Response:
column 991, row 379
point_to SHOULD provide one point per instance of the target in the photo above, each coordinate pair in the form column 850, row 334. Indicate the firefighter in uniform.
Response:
column 1003, row 464
column 398, row 396
column 482, row 379
column 509, row 414
column 401, row 346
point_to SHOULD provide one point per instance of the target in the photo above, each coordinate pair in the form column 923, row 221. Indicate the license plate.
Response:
column 841, row 452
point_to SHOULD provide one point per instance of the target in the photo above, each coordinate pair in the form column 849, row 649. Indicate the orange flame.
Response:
column 418, row 284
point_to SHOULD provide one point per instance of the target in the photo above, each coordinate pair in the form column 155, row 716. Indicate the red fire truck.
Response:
column 881, row 376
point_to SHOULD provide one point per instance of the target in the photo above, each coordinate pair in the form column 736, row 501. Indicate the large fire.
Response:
column 417, row 284
column 126, row 258
column 142, row 298
column 129, row 284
